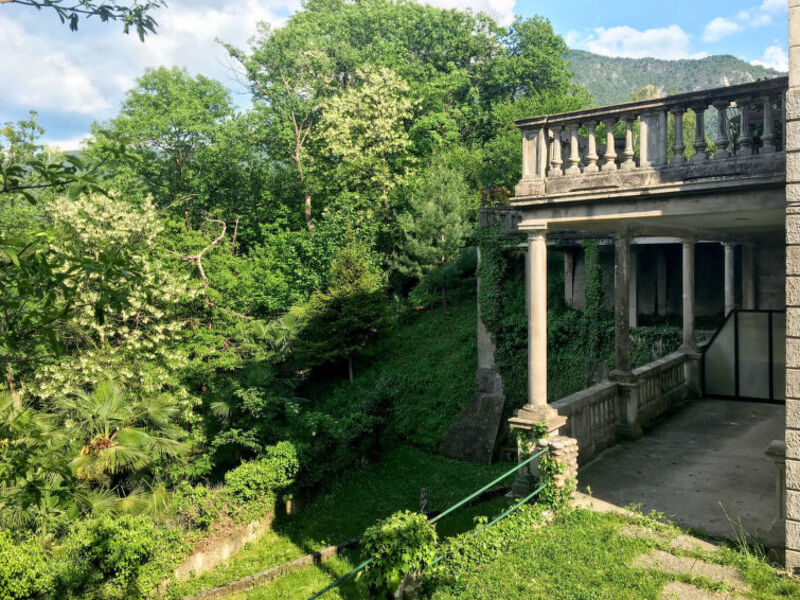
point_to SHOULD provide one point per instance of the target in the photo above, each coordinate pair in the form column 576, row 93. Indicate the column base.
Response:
column 530, row 415
column 621, row 376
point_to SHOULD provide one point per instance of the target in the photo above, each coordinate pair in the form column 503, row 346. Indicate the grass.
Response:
column 430, row 359
column 586, row 555
column 352, row 503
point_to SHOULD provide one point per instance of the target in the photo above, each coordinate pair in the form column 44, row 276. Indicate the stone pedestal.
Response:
column 526, row 419
column 564, row 450
column 776, row 536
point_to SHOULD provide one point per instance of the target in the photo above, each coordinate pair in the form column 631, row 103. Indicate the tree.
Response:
column 136, row 14
column 289, row 76
column 170, row 122
column 340, row 322
column 438, row 223
column 364, row 129
column 116, row 434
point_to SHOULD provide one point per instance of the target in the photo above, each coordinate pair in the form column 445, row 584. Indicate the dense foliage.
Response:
column 178, row 301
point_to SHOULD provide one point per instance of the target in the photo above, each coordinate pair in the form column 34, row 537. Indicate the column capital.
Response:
column 534, row 229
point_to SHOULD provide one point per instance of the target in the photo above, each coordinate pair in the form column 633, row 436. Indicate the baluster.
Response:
column 574, row 153
column 722, row 130
column 678, row 146
column 610, row 157
column 555, row 149
column 700, row 144
column 628, row 153
column 745, row 140
column 591, row 152
column 769, row 127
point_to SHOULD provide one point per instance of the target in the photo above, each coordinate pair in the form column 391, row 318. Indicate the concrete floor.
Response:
column 706, row 456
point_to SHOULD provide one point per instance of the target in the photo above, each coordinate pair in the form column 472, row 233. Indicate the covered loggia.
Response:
column 662, row 435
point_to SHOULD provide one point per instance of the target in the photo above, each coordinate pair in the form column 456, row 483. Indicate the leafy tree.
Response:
column 340, row 322
column 136, row 14
column 438, row 223
column 289, row 77
column 364, row 129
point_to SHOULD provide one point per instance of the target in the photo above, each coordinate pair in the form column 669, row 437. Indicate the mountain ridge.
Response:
column 612, row 80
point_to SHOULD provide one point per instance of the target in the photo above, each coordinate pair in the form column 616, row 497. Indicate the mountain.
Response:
column 613, row 80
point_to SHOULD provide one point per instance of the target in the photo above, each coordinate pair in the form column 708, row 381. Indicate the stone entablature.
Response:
column 562, row 157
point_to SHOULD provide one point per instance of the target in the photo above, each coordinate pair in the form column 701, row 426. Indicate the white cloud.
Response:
column 775, row 57
column 501, row 10
column 719, row 28
column 774, row 6
column 68, row 145
column 666, row 42
column 39, row 74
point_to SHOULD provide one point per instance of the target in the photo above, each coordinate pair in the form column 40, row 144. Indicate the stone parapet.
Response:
column 559, row 161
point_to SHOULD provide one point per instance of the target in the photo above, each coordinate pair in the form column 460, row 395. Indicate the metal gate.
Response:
column 746, row 357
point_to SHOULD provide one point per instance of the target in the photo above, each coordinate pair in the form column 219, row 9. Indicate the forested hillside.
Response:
column 612, row 80
column 187, row 307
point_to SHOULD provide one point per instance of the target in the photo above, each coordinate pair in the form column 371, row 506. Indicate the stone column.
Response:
column 487, row 379
column 730, row 283
column 661, row 282
column 537, row 408
column 689, row 343
column 622, row 266
column 748, row 277
column 527, row 282
column 792, row 435
column 633, row 296
column 689, row 346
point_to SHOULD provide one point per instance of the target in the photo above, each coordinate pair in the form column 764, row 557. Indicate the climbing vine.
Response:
column 594, row 321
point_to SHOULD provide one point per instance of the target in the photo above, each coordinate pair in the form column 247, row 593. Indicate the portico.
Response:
column 642, row 185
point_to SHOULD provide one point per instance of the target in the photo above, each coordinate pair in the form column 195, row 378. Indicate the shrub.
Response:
column 403, row 544
column 115, row 558
column 23, row 569
column 260, row 478
column 196, row 506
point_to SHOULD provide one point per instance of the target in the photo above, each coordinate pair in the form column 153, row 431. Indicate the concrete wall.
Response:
column 793, row 293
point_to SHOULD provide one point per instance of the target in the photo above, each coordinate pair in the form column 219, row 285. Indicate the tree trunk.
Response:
column 16, row 397
column 350, row 368
column 309, row 222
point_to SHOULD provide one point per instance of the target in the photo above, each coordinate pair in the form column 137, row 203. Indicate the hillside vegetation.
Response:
column 612, row 80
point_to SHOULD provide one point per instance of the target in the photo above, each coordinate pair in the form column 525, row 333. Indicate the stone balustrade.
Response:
column 600, row 415
column 630, row 145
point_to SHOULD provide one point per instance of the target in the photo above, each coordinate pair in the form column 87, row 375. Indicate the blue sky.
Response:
column 73, row 79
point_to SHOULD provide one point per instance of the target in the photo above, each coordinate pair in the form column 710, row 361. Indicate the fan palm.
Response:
column 118, row 433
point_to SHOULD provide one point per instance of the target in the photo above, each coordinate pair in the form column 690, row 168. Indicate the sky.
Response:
column 75, row 78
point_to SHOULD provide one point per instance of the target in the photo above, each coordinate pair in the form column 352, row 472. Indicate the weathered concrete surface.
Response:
column 708, row 455
column 472, row 437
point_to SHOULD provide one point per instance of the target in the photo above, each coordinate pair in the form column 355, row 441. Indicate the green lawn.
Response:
column 586, row 555
column 349, row 505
